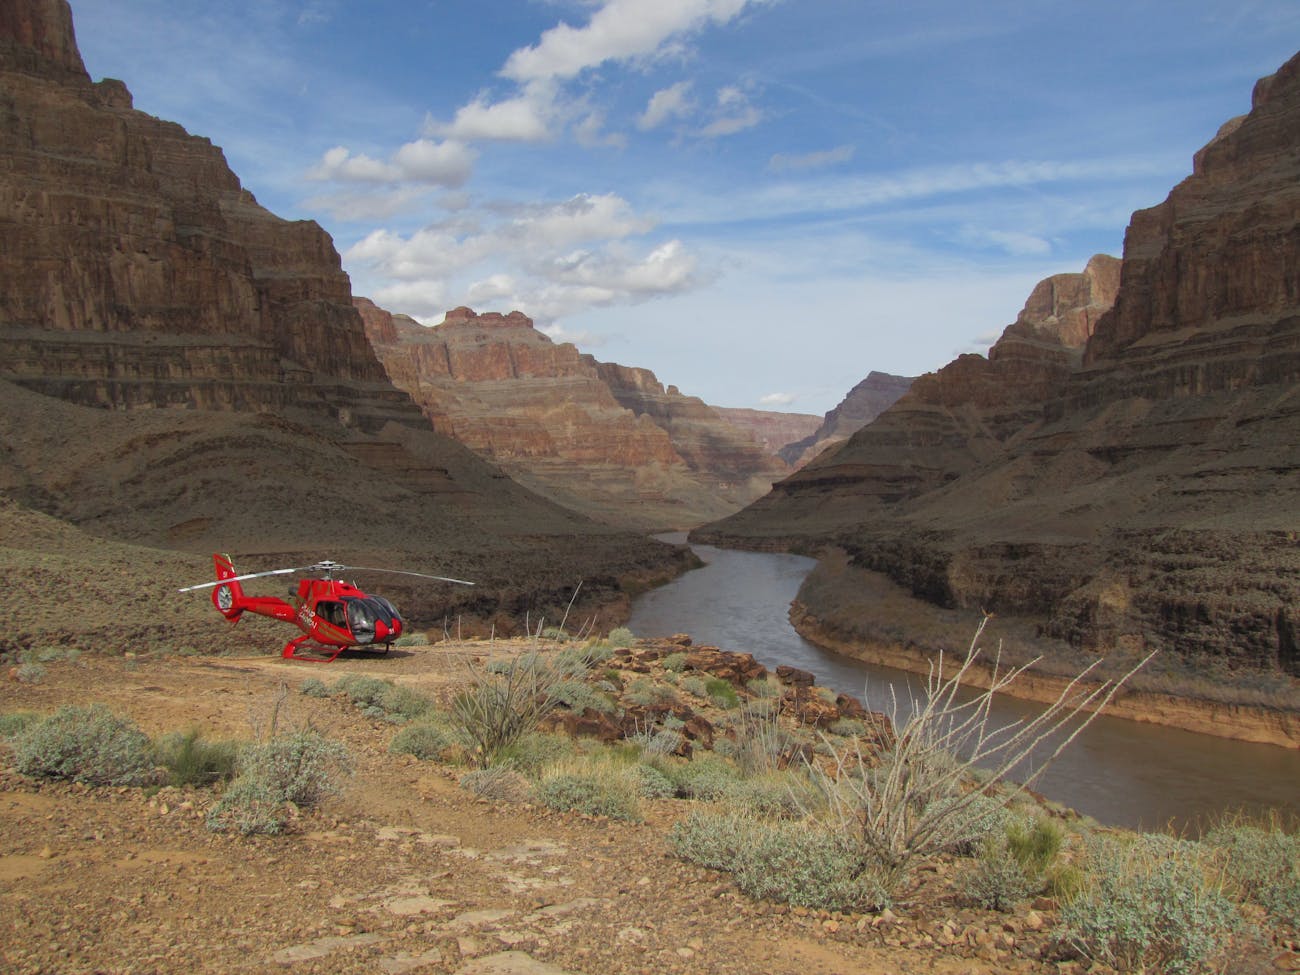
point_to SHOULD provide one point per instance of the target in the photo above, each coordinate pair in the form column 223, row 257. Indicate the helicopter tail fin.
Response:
column 228, row 597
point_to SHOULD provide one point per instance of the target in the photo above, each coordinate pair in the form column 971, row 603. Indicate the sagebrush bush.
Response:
column 645, row 692
column 314, row 687
column 497, row 783
column 788, row 862
column 997, row 881
column 595, row 788
column 1153, row 904
column 656, row 741
column 704, row 777
column 532, row 753
column 721, row 693
column 248, row 807
column 652, row 783
column 772, row 795
column 190, row 760
column 13, row 722
column 621, row 636
column 675, row 662
column 1263, row 861
column 89, row 745
column 382, row 699
column 579, row 696
column 303, row 768
column 425, row 740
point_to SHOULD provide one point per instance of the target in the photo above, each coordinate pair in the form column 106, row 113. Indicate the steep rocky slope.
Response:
column 862, row 404
column 604, row 439
column 1145, row 495
column 773, row 431
column 185, row 370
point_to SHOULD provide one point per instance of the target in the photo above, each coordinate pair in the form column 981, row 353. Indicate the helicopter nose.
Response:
column 381, row 631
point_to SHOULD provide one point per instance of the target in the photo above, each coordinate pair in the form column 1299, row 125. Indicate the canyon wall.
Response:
column 1130, row 478
column 608, row 440
column 862, row 404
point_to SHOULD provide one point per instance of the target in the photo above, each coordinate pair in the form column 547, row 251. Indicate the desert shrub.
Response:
column 760, row 744
column 979, row 818
column 675, row 662
column 190, row 760
column 314, row 687
column 789, row 862
column 555, row 633
column 14, row 722
column 412, row 640
column 914, row 801
column 1014, row 865
column 645, row 692
column 497, row 783
column 848, row 728
column 593, row 787
column 766, row 688
column 652, row 783
column 721, row 693
column 1149, row 904
column 425, row 740
column 303, row 768
column 621, row 636
column 382, row 699
column 1263, row 862
column 703, row 777
column 694, row 685
column 771, row 795
column 579, row 696
column 656, row 741
column 534, row 752
column 248, row 807
column 30, row 673
column 501, row 706
column 89, row 745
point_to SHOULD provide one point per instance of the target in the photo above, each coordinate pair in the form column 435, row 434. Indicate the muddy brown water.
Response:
column 1122, row 773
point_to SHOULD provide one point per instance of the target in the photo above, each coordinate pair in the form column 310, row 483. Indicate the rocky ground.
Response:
column 405, row 871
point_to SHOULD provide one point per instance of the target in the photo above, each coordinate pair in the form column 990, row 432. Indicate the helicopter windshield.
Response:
column 372, row 618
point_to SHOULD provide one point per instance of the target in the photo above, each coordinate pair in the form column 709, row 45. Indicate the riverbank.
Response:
column 1255, row 724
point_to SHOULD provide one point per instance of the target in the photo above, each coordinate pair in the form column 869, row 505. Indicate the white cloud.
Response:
column 558, row 333
column 368, row 205
column 777, row 399
column 1018, row 243
column 548, row 260
column 783, row 162
column 619, row 30
column 671, row 102
column 733, row 114
column 591, row 135
column 528, row 117
column 423, row 161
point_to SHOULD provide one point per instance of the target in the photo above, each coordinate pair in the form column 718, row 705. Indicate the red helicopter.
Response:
column 332, row 614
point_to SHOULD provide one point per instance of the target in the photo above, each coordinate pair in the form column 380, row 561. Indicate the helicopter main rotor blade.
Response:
column 248, row 575
column 403, row 572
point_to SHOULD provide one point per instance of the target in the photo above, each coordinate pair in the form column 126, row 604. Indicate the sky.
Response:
column 760, row 200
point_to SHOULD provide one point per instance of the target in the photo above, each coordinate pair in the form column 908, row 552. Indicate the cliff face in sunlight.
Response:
column 601, row 438
column 1129, row 477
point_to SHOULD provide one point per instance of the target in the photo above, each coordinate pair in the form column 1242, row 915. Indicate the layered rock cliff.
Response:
column 862, row 404
column 1144, row 494
column 137, row 271
column 185, row 370
column 772, row 431
column 604, row 439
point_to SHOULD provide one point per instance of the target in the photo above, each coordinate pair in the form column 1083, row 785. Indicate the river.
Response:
column 1122, row 773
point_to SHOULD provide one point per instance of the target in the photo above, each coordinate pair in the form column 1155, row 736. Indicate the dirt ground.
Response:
column 404, row 872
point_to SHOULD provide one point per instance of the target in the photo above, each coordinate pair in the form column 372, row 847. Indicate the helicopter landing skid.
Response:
column 325, row 655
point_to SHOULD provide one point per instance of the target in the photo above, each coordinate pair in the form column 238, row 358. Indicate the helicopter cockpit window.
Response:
column 372, row 618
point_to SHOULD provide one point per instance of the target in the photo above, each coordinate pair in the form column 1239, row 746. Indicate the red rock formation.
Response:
column 137, row 271
column 604, row 439
column 769, row 429
column 1143, row 497
column 863, row 403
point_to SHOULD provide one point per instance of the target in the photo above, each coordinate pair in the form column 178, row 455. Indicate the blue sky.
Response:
column 760, row 200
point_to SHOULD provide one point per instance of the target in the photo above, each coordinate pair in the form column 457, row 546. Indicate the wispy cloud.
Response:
column 667, row 103
column 447, row 164
column 783, row 162
column 777, row 399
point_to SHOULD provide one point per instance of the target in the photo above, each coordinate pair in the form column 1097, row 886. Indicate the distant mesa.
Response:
column 605, row 439
column 1123, row 469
